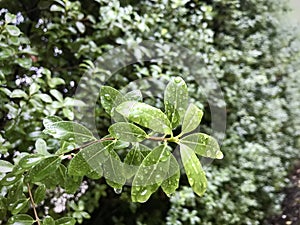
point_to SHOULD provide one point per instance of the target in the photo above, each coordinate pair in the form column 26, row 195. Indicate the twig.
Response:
column 33, row 205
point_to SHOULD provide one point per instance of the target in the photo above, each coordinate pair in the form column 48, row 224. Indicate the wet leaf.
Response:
column 192, row 119
column 193, row 169
column 134, row 158
column 67, row 130
column 171, row 182
column 176, row 100
column 203, row 145
column 127, row 132
column 150, row 174
column 146, row 116
column 113, row 170
column 110, row 98
column 44, row 168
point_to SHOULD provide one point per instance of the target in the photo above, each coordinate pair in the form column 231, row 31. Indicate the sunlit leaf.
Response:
column 21, row 219
column 5, row 166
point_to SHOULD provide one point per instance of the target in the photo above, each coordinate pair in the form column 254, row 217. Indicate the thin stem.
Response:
column 33, row 205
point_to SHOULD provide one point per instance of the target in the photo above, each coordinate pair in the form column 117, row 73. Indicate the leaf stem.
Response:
column 33, row 205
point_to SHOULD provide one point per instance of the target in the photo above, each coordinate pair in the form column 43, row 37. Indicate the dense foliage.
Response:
column 46, row 47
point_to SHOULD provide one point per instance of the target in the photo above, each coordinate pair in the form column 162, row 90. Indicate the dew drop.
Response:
column 118, row 190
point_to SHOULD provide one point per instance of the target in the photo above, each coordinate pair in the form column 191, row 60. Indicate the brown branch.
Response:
column 33, row 205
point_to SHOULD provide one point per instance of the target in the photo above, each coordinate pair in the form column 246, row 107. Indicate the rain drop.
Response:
column 118, row 190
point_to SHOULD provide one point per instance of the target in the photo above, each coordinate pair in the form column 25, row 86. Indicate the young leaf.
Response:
column 110, row 98
column 44, row 168
column 150, row 174
column 203, row 145
column 193, row 169
column 192, row 119
column 171, row 182
column 67, row 130
column 127, row 132
column 176, row 100
column 5, row 166
column 146, row 116
column 21, row 219
column 113, row 170
column 134, row 158
column 39, row 194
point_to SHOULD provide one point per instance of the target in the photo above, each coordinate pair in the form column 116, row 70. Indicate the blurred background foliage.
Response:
column 46, row 46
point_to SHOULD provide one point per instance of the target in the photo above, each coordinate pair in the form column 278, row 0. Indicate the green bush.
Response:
column 47, row 48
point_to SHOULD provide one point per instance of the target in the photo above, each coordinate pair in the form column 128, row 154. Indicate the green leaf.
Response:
column 113, row 170
column 192, row 119
column 50, row 120
column 110, row 98
column 134, row 158
column 39, row 194
column 80, row 26
column 135, row 95
column 56, row 94
column 19, row 206
column 7, row 52
column 41, row 147
column 146, row 116
column 34, row 87
column 57, row 8
column 176, row 100
column 18, row 93
column 44, row 168
column 65, row 221
column 171, row 182
column 21, row 219
column 10, row 179
column 13, row 30
column 150, row 174
column 72, row 184
column 48, row 220
column 24, row 62
column 95, row 155
column 193, row 169
column 30, row 160
column 5, row 166
column 127, row 132
column 67, row 130
column 44, row 97
column 203, row 145
column 79, row 167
